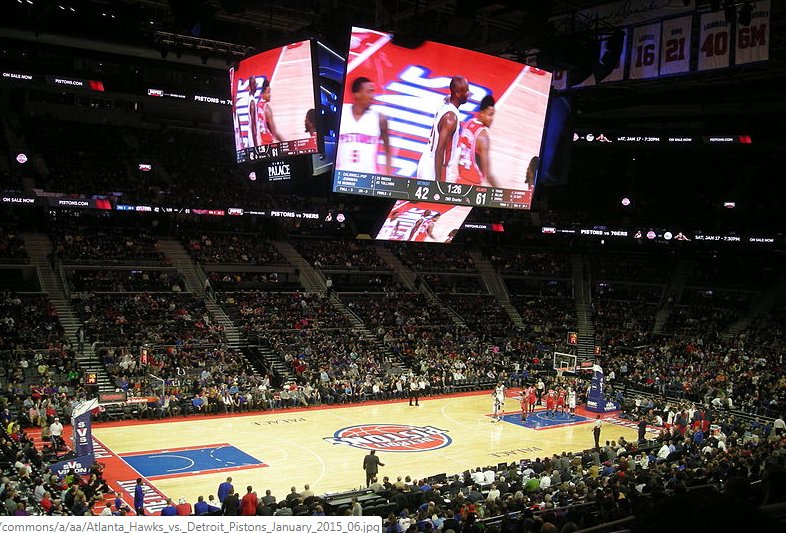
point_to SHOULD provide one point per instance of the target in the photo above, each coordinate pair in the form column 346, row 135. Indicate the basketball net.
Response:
column 560, row 372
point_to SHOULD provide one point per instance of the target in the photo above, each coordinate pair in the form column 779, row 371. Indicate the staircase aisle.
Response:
column 195, row 283
column 679, row 278
column 39, row 247
column 582, row 292
column 495, row 286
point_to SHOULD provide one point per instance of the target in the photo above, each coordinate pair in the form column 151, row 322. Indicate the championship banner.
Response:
column 618, row 74
column 559, row 80
column 644, row 52
column 713, row 41
column 675, row 46
column 753, row 41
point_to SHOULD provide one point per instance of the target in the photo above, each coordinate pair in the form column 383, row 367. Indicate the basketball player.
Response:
column 440, row 157
column 496, row 407
column 561, row 401
column 572, row 402
column 252, row 111
column 310, row 122
column 532, row 398
column 426, row 229
column 419, row 222
column 266, row 128
column 530, row 176
column 390, row 230
column 551, row 398
column 499, row 390
column 474, row 167
column 524, row 405
column 361, row 129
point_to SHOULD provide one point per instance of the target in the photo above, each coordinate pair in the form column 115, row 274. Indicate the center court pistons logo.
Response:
column 391, row 437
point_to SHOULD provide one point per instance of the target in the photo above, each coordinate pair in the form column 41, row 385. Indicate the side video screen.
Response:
column 422, row 222
column 273, row 104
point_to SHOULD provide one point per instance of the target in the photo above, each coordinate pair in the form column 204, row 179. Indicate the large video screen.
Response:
column 422, row 222
column 439, row 123
column 273, row 103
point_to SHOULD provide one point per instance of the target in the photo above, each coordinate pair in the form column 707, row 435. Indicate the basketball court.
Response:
column 324, row 446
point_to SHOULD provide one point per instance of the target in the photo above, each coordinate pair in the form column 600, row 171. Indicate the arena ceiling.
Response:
column 516, row 29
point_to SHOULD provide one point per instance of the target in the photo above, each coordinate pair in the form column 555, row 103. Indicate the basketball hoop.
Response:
column 560, row 372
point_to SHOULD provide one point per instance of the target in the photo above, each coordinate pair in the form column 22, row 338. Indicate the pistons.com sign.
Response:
column 391, row 437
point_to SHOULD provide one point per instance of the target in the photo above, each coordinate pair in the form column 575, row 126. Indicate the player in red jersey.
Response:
column 561, row 401
column 551, row 399
column 263, row 128
column 532, row 398
column 524, row 405
column 474, row 167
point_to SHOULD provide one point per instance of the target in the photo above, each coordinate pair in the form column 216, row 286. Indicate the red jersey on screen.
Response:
column 468, row 170
column 263, row 133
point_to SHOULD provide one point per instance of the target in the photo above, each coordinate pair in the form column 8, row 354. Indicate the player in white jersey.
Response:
column 496, row 409
column 439, row 160
column 572, row 402
column 499, row 401
column 361, row 130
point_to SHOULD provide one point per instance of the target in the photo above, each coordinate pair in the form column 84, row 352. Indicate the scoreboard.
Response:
column 278, row 149
column 397, row 188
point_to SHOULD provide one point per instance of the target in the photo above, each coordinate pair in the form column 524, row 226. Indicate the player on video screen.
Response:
column 419, row 222
column 361, row 129
column 531, row 170
column 426, row 229
column 310, row 122
column 439, row 160
column 263, row 128
column 474, row 167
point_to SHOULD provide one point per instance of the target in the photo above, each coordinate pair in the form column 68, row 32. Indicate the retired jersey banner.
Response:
column 714, row 40
column 644, row 51
column 753, row 41
column 675, row 46
column 618, row 74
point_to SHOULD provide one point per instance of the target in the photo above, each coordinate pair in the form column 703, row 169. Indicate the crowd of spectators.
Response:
column 233, row 248
column 714, row 271
column 530, row 262
column 433, row 257
column 258, row 312
column 443, row 283
column 624, row 323
column 90, row 243
column 650, row 268
column 401, row 312
column 12, row 245
column 136, row 319
column 28, row 321
column 125, row 280
column 365, row 282
column 481, row 312
column 223, row 281
column 343, row 254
